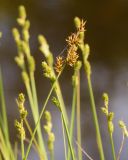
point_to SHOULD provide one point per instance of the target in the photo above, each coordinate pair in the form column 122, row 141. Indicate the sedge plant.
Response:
column 52, row 70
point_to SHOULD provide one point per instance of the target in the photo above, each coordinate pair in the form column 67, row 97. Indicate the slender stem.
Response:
column 85, row 54
column 36, row 110
column 4, row 122
column 86, row 154
column 29, row 93
column 35, row 116
column 78, row 118
column 121, row 147
column 68, row 137
column 4, row 113
column 65, row 150
column 113, row 148
column 59, row 96
column 40, row 116
column 52, row 154
column 72, row 115
column 22, row 142
column 59, row 93
column 3, row 146
column 72, row 119
column 34, row 93
column 96, row 123
column 22, row 147
column 34, row 140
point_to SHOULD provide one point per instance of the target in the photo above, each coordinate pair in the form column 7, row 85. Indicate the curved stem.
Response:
column 121, row 147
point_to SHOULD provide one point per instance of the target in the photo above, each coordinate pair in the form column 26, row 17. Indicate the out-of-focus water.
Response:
column 107, row 35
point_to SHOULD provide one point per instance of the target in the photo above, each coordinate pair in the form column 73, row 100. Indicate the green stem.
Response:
column 40, row 116
column 4, row 122
column 34, row 93
column 78, row 118
column 113, row 148
column 52, row 154
column 96, row 123
column 36, row 110
column 65, row 150
column 68, row 137
column 72, row 117
column 60, row 97
column 22, row 147
column 73, row 113
column 22, row 143
column 35, row 116
column 4, row 113
column 34, row 140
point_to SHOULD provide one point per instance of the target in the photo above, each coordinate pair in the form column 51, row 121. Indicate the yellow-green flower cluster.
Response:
column 44, row 48
column 22, row 41
column 20, row 103
column 20, row 129
column 56, row 102
column 48, row 129
column 23, row 113
column 124, row 128
column 109, row 115
column 48, row 73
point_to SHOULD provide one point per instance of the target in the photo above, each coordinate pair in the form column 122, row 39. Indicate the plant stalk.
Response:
column 68, row 137
column 36, row 111
column 65, row 149
column 96, row 123
column 78, row 118
column 35, row 116
column 113, row 148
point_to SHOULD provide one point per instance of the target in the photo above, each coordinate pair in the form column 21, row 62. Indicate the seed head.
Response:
column 20, row 103
column 72, row 56
column 20, row 129
column 73, row 39
column 123, row 127
column 81, row 28
column 59, row 64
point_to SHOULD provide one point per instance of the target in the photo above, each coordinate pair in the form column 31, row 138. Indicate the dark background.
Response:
column 107, row 35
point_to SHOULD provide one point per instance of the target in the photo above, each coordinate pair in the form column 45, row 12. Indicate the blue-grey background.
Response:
column 107, row 35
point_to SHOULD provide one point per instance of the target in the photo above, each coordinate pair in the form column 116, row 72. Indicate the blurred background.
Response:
column 107, row 35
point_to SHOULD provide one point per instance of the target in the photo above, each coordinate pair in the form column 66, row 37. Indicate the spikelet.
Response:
column 81, row 28
column 59, row 64
column 72, row 56
column 20, row 129
column 73, row 39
